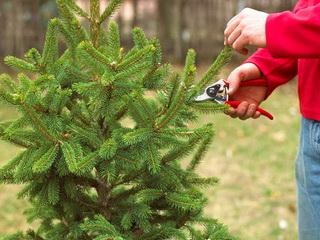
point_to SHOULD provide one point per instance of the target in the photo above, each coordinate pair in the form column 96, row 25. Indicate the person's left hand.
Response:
column 246, row 28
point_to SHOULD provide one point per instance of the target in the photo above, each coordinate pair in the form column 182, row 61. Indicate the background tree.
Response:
column 170, row 26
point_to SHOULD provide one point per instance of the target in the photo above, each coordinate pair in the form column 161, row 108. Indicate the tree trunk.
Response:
column 164, row 15
column 20, row 26
column 177, row 30
column 135, row 13
column 170, row 27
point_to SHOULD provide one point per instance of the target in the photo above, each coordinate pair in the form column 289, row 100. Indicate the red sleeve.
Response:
column 294, row 34
column 276, row 71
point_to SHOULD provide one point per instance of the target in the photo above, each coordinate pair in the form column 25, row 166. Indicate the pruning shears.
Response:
column 219, row 92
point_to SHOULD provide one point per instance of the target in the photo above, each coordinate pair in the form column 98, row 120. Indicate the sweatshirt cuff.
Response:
column 271, row 85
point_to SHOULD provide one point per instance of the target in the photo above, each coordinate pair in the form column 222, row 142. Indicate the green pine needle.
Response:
column 74, row 7
column 185, row 201
column 127, row 221
column 53, row 192
column 154, row 159
column 87, row 163
column 108, row 149
column 6, row 82
column 223, row 58
column 108, row 78
column 94, row 53
column 189, row 69
column 20, row 64
column 139, row 38
column 204, row 146
column 114, row 44
column 51, row 48
column 33, row 56
column 7, row 171
column 69, row 153
column 137, row 136
column 209, row 107
column 101, row 225
column 70, row 21
column 24, row 171
column 45, row 162
column 138, row 56
column 113, row 5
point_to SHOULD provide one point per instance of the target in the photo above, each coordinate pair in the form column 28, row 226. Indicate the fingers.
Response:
column 246, row 29
column 231, row 26
column 244, row 72
column 244, row 111
column 232, row 113
column 234, row 80
column 235, row 37
column 240, row 43
column 256, row 115
column 251, row 111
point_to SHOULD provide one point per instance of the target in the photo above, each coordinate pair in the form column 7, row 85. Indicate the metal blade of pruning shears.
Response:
column 217, row 92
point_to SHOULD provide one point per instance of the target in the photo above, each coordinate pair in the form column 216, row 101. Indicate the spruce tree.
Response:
column 104, row 131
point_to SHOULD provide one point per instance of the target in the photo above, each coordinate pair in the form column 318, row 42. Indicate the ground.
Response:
column 254, row 161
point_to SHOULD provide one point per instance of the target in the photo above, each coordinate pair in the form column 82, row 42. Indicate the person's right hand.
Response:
column 250, row 96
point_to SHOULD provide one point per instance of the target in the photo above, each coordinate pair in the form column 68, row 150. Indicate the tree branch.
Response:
column 38, row 123
column 95, row 21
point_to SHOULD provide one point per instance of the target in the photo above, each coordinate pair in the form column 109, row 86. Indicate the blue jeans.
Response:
column 308, row 180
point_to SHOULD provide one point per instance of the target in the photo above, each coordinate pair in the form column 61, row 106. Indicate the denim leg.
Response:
column 308, row 181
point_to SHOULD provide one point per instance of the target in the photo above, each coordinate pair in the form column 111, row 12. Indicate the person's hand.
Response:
column 250, row 96
column 246, row 28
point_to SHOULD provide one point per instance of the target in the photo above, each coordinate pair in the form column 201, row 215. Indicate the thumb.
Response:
column 234, row 81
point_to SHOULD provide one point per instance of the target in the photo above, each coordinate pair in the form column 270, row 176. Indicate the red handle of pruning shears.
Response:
column 255, row 82
column 263, row 112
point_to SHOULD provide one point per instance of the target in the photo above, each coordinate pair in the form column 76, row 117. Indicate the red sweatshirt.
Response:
column 293, row 47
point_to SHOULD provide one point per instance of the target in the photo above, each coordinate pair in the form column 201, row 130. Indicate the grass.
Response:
column 255, row 163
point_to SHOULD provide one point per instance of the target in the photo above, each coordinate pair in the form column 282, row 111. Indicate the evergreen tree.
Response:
column 104, row 131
